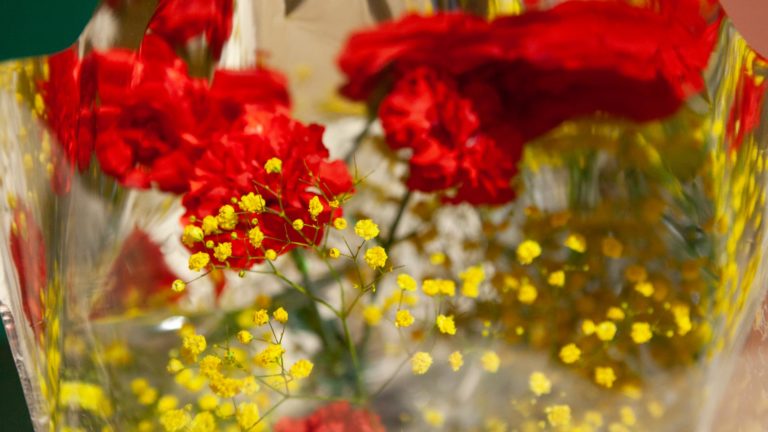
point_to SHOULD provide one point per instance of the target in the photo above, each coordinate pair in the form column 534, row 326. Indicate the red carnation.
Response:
column 336, row 417
column 178, row 21
column 234, row 166
column 464, row 94
column 747, row 107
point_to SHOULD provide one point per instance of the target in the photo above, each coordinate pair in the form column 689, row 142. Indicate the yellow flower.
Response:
column 615, row 314
column 174, row 366
column 247, row 415
column 644, row 288
column 225, row 410
column 192, row 234
column 437, row 258
column 570, row 353
column 539, row 384
column 260, row 317
column 174, row 420
column 403, row 318
column 274, row 166
column 490, row 361
column 433, row 287
column 559, row 415
column 682, row 314
column 433, row 417
column 628, row 416
column 208, row 402
column 556, row 278
column 210, row 225
column 178, row 286
column 456, row 360
column 167, row 402
column 298, row 224
column 406, row 282
column 199, row 261
column 472, row 278
column 227, row 218
column 203, row 422
column 641, row 332
column 588, row 327
column 446, row 324
column 209, row 365
column 252, row 203
column 315, row 207
column 527, row 293
column 334, row 253
column 372, row 315
column 606, row 330
column 222, row 251
column 576, row 243
column 244, row 337
column 269, row 356
column 280, row 315
column 255, row 236
column 194, row 344
column 528, row 251
column 225, row 387
column 340, row 223
column 421, row 362
column 635, row 273
column 270, row 254
column 138, row 385
column 366, row 229
column 612, row 248
column 301, row 369
column 89, row 397
column 605, row 376
column 376, row 257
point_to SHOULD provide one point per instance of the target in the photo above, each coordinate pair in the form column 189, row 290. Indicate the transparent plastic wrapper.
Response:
column 515, row 216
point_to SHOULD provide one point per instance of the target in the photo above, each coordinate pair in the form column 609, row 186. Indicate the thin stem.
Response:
column 359, row 140
column 398, row 217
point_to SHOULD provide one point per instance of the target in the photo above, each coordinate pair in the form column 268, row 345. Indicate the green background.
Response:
column 29, row 28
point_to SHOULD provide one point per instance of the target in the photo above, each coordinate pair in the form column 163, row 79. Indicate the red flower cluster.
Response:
column 465, row 94
column 747, row 108
column 28, row 253
column 336, row 417
column 236, row 172
column 178, row 21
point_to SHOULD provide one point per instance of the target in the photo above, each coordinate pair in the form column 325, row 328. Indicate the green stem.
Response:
column 359, row 140
column 398, row 218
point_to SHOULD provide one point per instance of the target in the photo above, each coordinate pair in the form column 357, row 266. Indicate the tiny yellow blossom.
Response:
column 421, row 362
column 437, row 258
column 372, row 315
column 138, row 385
column 366, row 229
column 472, row 278
column 280, row 315
column 456, row 360
column 274, row 166
column 298, row 224
column 227, row 218
column 199, row 261
column 244, row 337
column 682, row 314
column 628, row 416
column 269, row 356
column 209, row 365
column 340, row 223
column 490, row 361
column 252, row 203
column 203, row 422
column 406, row 282
column 559, row 415
column 376, row 257
column 208, row 402
column 570, row 353
column 576, row 243
column 315, row 207
column 174, row 420
column 588, row 327
column 174, row 366
column 260, row 317
column 334, row 203
column 605, row 376
column 556, row 278
column 636, row 273
column 256, row 237
column 606, row 330
column 167, row 402
column 644, row 288
column 641, row 332
column 615, row 314
column 433, row 417
column 527, row 293
column 178, row 286
column 528, row 251
column 247, row 415
column 539, row 384
column 194, row 344
column 334, row 253
column 192, row 234
column 433, row 287
column 403, row 318
column 225, row 387
column 301, row 369
column 222, row 251
column 225, row 410
column 148, row 396
column 445, row 324
column 270, row 254
column 612, row 248
column 210, row 225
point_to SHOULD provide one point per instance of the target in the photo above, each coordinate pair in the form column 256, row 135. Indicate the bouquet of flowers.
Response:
column 493, row 215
